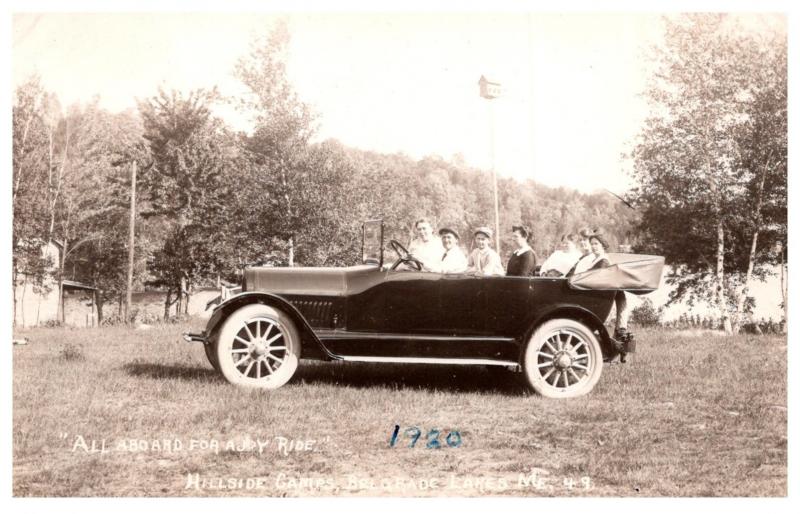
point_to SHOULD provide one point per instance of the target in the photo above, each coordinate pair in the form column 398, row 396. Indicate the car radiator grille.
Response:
column 317, row 313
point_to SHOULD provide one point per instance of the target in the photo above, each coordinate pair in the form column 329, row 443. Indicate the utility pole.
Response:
column 494, row 179
column 491, row 90
column 131, row 234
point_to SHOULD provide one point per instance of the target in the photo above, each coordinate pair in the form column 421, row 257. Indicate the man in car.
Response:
column 425, row 247
column 483, row 260
column 453, row 260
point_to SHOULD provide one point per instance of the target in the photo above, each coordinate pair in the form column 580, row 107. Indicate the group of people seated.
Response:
column 577, row 253
column 445, row 255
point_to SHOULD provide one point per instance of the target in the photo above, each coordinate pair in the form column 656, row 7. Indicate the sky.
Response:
column 389, row 82
column 399, row 82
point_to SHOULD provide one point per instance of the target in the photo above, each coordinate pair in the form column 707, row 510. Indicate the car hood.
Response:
column 309, row 281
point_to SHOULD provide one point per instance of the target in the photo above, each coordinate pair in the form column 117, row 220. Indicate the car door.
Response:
column 392, row 318
column 463, row 305
column 508, row 305
column 411, row 302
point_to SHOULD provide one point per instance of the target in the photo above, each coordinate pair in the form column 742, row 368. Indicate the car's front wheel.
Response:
column 563, row 359
column 258, row 346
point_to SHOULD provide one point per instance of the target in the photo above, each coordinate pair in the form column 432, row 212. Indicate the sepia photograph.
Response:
column 332, row 251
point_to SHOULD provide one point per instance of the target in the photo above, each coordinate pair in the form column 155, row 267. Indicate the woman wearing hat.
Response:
column 522, row 262
column 599, row 246
column 453, row 259
column 483, row 260
column 587, row 258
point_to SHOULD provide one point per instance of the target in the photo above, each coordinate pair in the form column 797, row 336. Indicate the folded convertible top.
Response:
column 638, row 274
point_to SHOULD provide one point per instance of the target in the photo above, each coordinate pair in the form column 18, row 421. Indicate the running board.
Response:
column 428, row 360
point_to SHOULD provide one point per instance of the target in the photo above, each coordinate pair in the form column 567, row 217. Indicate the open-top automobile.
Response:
column 548, row 329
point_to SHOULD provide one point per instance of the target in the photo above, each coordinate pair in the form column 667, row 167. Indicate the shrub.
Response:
column 113, row 320
column 179, row 318
column 71, row 352
column 646, row 315
column 762, row 327
column 136, row 316
column 148, row 318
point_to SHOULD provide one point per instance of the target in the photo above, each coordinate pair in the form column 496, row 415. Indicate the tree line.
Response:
column 212, row 199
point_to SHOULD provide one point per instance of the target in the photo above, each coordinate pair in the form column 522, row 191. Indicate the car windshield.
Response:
column 371, row 249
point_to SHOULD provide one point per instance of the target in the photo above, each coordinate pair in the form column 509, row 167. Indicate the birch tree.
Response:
column 29, row 180
column 763, row 154
column 701, row 157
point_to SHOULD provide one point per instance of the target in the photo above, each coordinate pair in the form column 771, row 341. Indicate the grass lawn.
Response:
column 691, row 414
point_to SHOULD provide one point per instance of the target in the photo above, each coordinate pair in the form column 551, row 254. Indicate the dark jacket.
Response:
column 521, row 265
column 602, row 263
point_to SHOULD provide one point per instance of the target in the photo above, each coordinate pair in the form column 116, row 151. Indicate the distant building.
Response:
column 37, row 308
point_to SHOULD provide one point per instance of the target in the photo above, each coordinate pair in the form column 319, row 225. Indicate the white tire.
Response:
column 258, row 347
column 563, row 359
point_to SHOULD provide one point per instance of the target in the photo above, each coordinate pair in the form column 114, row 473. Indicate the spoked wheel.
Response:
column 259, row 347
column 563, row 359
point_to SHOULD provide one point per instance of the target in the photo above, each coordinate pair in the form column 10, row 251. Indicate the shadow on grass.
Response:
column 159, row 371
column 475, row 379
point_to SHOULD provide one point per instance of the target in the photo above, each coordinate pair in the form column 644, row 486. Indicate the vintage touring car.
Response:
column 549, row 329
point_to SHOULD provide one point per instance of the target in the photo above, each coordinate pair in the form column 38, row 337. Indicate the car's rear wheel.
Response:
column 563, row 359
column 258, row 346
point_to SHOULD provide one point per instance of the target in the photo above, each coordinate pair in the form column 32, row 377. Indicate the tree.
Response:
column 698, row 176
column 283, row 127
column 29, row 168
column 64, row 190
column 95, row 217
column 764, row 159
column 187, row 184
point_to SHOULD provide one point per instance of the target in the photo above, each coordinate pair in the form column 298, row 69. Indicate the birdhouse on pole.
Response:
column 489, row 89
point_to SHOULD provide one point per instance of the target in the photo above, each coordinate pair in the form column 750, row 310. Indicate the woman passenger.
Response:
column 585, row 262
column 522, row 262
column 599, row 246
column 563, row 259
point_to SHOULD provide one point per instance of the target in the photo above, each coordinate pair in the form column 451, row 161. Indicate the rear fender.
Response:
column 312, row 346
column 573, row 312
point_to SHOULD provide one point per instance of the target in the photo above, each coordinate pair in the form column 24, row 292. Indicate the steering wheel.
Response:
column 405, row 256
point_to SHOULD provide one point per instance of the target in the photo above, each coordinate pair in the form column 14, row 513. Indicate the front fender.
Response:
column 314, row 350
column 569, row 311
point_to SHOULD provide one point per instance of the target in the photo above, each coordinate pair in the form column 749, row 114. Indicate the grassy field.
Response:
column 691, row 414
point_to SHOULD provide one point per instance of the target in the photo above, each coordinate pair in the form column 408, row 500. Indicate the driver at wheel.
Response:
column 426, row 248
